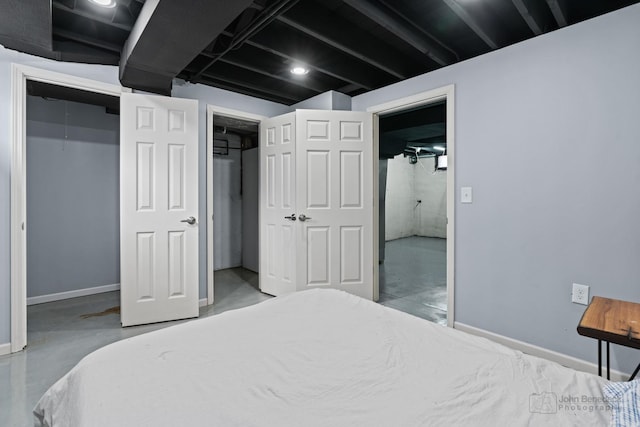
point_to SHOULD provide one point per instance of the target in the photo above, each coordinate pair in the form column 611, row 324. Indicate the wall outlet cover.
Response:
column 580, row 294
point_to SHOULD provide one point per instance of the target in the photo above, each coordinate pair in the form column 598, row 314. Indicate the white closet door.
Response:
column 316, row 166
column 159, row 208
column 334, row 182
column 277, row 202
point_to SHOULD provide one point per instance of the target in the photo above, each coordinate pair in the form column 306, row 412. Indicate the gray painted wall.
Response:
column 73, row 197
column 547, row 134
column 250, row 209
column 330, row 100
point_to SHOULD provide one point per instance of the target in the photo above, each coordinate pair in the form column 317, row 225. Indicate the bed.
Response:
column 318, row 358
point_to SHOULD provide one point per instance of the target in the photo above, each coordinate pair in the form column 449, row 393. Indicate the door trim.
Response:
column 446, row 93
column 19, row 76
column 236, row 114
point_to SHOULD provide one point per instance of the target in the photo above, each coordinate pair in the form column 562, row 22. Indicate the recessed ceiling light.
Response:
column 299, row 70
column 104, row 3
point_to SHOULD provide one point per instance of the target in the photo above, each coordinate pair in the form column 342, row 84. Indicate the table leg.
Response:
column 635, row 373
column 599, row 357
column 608, row 374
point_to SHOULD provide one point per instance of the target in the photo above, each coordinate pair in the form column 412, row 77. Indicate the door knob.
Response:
column 291, row 217
column 191, row 220
column 303, row 217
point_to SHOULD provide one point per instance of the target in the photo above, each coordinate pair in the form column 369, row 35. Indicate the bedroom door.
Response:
column 278, row 205
column 159, row 207
column 326, row 176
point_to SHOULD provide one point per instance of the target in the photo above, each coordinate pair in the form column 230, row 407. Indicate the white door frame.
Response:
column 236, row 114
column 446, row 93
column 19, row 76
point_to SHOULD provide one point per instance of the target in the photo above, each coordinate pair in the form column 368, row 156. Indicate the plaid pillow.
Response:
column 624, row 398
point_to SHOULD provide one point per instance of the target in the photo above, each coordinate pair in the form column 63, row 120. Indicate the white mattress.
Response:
column 316, row 358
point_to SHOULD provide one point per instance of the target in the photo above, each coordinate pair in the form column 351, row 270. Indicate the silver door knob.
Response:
column 191, row 220
column 291, row 217
column 303, row 217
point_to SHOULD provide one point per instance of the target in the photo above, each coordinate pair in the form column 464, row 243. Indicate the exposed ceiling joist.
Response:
column 263, row 19
column 528, row 17
column 353, row 51
column 559, row 11
column 338, row 70
column 401, row 28
column 471, row 22
column 246, row 90
column 90, row 16
column 101, row 44
column 302, row 83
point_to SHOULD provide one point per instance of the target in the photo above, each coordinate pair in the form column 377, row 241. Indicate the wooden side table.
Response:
column 612, row 321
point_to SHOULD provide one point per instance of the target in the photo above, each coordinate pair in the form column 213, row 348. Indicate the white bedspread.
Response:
column 317, row 358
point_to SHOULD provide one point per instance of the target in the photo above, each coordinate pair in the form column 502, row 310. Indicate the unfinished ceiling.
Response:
column 350, row 46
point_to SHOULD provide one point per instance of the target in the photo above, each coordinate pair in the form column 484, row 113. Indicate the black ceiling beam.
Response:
column 90, row 16
column 269, row 84
column 402, row 28
column 297, row 82
column 250, row 90
column 263, row 19
column 315, row 54
column 559, row 11
column 342, row 47
column 329, row 28
column 90, row 41
column 339, row 72
column 269, row 66
column 528, row 17
column 167, row 36
column 483, row 32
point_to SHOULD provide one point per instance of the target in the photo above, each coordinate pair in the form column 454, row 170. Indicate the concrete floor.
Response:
column 59, row 336
column 413, row 277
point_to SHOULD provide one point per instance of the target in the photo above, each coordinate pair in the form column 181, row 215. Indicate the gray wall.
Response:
column 73, row 197
column 250, row 209
column 548, row 135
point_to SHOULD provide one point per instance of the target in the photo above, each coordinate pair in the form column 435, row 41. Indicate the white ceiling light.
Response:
column 299, row 70
column 437, row 147
column 104, row 3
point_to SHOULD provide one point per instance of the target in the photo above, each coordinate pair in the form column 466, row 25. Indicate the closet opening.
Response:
column 73, row 206
column 235, row 193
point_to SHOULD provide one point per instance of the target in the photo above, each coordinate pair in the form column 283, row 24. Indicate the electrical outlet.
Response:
column 580, row 294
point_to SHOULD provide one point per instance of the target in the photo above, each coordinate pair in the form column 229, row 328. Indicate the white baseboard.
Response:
column 534, row 350
column 202, row 302
column 5, row 349
column 72, row 294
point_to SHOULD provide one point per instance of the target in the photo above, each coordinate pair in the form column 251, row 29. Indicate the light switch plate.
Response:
column 466, row 195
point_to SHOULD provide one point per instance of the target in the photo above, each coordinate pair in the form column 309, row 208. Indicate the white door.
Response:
column 278, row 205
column 158, row 208
column 332, row 181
